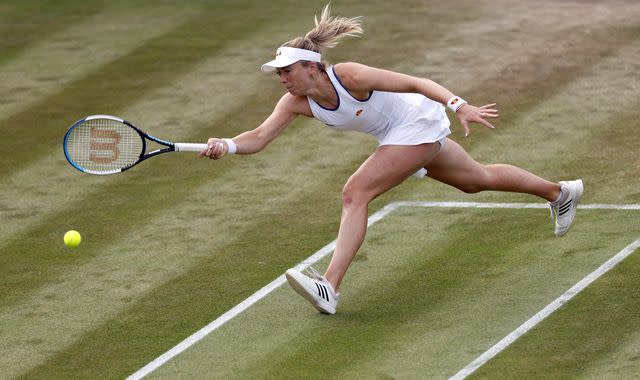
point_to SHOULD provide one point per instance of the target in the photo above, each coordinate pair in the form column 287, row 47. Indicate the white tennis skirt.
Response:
column 417, row 132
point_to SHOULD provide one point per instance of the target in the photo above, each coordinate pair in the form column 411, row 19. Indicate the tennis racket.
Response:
column 103, row 144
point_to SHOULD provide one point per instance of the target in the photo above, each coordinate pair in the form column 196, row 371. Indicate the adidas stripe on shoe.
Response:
column 315, row 289
column 565, row 210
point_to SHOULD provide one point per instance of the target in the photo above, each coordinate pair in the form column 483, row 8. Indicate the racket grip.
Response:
column 187, row 147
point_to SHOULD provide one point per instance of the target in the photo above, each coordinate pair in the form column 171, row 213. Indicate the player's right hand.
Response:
column 216, row 149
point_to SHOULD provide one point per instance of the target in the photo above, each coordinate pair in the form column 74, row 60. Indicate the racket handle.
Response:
column 187, row 147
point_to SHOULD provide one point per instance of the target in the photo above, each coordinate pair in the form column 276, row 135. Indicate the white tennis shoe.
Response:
column 315, row 289
column 565, row 211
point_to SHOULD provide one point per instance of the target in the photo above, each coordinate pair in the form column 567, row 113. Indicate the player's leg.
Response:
column 387, row 167
column 455, row 167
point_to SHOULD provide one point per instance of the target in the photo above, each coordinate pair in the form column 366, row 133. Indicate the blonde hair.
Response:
column 328, row 32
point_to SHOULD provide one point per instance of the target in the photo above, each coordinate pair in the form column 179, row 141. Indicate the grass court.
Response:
column 178, row 241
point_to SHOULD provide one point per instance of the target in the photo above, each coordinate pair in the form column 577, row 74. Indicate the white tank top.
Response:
column 382, row 112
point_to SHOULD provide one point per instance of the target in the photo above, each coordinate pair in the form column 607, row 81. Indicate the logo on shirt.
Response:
column 358, row 112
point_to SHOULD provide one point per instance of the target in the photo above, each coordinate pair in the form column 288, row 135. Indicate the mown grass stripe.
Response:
column 173, row 110
column 524, row 88
column 118, row 84
column 592, row 336
column 58, row 60
column 25, row 22
column 172, row 107
column 544, row 43
column 165, row 101
column 97, row 207
column 555, row 119
column 547, row 311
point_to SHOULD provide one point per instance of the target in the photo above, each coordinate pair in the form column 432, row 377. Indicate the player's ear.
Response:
column 315, row 67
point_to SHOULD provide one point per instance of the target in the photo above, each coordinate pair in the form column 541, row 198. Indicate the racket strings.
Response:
column 104, row 145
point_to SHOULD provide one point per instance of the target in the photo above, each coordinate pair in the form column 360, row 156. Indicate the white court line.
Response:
column 242, row 306
column 327, row 249
column 544, row 313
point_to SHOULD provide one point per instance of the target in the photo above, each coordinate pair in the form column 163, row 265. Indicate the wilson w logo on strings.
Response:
column 104, row 146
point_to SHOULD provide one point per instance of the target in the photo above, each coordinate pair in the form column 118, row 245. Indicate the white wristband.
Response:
column 231, row 146
column 455, row 103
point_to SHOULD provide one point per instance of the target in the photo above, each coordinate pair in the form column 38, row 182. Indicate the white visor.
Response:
column 286, row 56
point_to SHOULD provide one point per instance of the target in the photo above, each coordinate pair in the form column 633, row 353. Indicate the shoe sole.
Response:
column 304, row 292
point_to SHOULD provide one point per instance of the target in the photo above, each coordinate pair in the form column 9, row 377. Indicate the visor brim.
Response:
column 280, row 61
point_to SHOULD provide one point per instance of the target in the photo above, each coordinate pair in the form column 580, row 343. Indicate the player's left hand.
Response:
column 471, row 114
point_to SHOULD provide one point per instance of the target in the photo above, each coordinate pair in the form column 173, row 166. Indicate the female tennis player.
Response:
column 408, row 117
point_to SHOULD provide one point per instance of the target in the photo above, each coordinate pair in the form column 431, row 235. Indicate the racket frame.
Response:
column 169, row 146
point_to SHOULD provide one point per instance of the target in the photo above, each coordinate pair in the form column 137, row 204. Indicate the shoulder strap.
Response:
column 336, row 82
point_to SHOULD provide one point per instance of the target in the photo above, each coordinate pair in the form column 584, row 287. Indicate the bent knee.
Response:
column 354, row 194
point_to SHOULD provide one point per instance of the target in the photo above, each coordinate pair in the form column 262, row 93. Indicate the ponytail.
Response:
column 328, row 32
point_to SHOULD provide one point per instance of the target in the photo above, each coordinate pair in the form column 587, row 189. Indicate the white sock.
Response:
column 561, row 198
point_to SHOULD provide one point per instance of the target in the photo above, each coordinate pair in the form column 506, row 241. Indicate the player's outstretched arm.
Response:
column 255, row 140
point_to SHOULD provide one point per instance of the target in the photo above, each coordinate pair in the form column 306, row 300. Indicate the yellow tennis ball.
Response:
column 72, row 239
